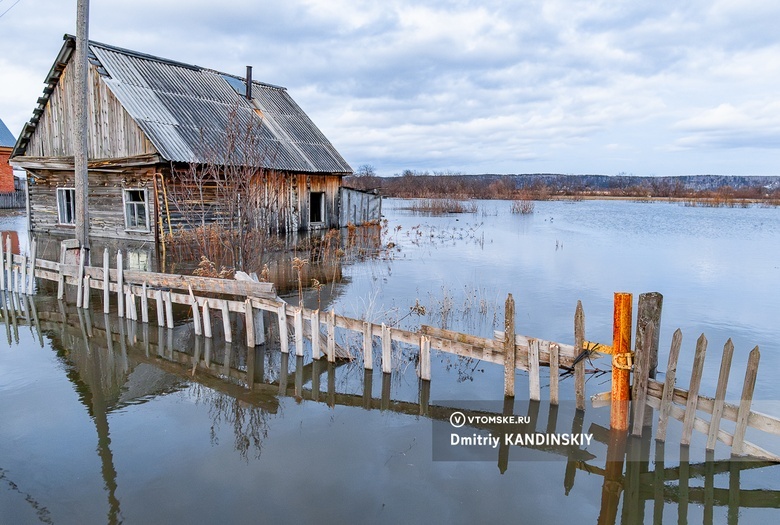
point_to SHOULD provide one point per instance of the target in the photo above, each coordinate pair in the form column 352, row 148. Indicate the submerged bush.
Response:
column 522, row 206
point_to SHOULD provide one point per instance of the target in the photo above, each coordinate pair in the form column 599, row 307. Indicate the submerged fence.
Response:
column 138, row 294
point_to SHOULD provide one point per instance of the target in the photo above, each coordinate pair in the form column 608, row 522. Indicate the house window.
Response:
column 66, row 205
column 317, row 207
column 136, row 215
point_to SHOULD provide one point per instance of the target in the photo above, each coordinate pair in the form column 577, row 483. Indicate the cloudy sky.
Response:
column 564, row 86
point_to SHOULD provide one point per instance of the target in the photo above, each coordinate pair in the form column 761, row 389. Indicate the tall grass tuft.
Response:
column 443, row 206
column 522, row 206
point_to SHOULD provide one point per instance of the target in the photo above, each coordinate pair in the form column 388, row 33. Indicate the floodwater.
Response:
column 103, row 420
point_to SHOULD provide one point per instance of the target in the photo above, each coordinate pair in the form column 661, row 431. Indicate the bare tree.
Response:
column 228, row 205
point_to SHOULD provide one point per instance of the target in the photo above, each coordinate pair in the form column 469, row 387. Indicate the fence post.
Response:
column 331, row 348
column 106, row 282
column 120, row 292
column 284, row 341
column 368, row 346
column 720, row 394
column 387, row 350
column 23, row 289
column 249, row 323
column 743, row 412
column 2, row 265
column 298, row 322
column 195, row 313
column 316, row 351
column 168, row 309
column 144, row 304
column 425, row 358
column 33, row 260
column 9, row 262
column 160, row 308
column 226, row 322
column 509, row 347
column 649, row 311
column 87, row 288
column 80, row 279
column 668, row 391
column 534, row 384
column 621, row 348
column 693, row 390
column 554, row 370
column 206, row 318
column 579, row 368
column 641, row 378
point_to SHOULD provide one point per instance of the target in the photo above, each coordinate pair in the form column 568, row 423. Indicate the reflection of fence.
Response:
column 247, row 381
column 668, row 485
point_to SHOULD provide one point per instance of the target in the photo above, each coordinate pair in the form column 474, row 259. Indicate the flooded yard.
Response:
column 105, row 420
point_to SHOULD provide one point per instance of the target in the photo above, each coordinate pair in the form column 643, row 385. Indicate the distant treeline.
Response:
column 541, row 186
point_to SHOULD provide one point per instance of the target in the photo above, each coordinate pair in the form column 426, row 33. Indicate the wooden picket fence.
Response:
column 159, row 292
column 148, row 291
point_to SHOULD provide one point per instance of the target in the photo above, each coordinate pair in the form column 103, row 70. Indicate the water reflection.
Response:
column 115, row 363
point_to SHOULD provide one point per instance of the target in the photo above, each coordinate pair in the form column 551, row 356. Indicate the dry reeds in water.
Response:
column 443, row 206
column 522, row 206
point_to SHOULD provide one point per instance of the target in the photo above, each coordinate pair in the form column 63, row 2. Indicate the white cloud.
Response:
column 501, row 86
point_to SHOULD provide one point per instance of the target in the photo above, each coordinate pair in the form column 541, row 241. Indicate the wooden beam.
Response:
column 180, row 282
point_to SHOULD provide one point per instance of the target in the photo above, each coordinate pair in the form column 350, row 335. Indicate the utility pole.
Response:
column 81, row 125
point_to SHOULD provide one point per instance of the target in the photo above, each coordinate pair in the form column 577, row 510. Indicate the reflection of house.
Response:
column 151, row 120
column 7, row 141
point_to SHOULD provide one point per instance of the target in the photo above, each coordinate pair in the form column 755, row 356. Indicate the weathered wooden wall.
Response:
column 112, row 132
column 279, row 201
column 106, row 211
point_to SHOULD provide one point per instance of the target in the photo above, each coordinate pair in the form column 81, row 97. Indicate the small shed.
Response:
column 165, row 139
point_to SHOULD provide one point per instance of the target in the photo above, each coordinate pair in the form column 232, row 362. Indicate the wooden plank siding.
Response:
column 288, row 205
column 283, row 198
column 106, row 213
column 112, row 131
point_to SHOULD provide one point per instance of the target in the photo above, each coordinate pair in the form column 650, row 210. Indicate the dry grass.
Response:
column 443, row 206
column 522, row 206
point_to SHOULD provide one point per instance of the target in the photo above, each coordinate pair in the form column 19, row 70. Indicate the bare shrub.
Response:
column 227, row 206
column 443, row 206
column 522, row 206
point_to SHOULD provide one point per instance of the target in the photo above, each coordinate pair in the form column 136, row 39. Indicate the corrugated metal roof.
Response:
column 186, row 112
column 7, row 139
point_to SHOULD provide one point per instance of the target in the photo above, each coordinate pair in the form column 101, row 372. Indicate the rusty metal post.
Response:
column 621, row 361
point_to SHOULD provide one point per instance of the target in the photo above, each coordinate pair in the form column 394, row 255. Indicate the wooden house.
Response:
column 162, row 133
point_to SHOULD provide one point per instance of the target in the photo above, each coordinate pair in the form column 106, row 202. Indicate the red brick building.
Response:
column 7, row 142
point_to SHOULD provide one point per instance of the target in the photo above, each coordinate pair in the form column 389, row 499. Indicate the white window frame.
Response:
column 126, row 204
column 63, row 207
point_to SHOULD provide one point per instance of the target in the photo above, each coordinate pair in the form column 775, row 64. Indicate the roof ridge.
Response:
column 243, row 79
column 138, row 54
